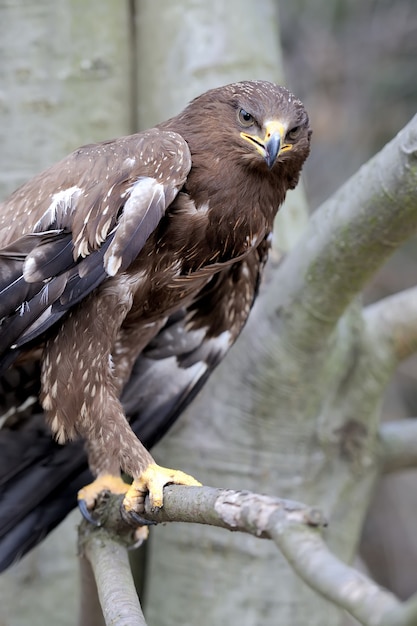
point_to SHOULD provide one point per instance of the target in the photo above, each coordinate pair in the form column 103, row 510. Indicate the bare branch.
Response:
column 325, row 573
column 110, row 564
column 294, row 527
column 242, row 511
column 392, row 322
column 348, row 238
column 105, row 546
column 399, row 445
column 91, row 613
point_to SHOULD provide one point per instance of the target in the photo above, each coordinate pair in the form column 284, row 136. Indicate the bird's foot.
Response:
column 109, row 483
column 87, row 496
column 151, row 482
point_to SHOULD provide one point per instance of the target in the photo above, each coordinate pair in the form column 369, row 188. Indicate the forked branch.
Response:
column 294, row 527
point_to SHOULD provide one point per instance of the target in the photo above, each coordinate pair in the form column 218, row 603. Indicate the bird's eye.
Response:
column 293, row 133
column 245, row 118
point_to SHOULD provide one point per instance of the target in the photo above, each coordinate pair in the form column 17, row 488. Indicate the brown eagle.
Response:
column 127, row 270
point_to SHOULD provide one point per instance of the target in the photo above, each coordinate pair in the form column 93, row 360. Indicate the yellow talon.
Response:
column 153, row 481
column 104, row 482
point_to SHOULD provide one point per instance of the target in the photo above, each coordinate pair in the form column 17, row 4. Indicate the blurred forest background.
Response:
column 354, row 65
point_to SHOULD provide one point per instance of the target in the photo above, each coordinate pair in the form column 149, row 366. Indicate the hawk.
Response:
column 127, row 270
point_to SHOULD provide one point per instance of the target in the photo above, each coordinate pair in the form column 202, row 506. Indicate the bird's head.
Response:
column 258, row 123
column 272, row 124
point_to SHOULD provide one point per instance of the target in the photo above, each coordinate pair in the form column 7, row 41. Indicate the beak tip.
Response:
column 273, row 146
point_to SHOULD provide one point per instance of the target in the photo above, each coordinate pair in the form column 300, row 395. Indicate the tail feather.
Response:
column 39, row 481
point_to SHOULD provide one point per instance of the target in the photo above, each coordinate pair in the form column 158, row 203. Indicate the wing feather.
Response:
column 142, row 212
column 80, row 222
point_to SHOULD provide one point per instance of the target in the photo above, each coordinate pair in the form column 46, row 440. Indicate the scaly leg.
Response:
column 148, row 477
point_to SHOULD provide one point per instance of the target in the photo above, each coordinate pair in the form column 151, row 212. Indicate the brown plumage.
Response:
column 129, row 268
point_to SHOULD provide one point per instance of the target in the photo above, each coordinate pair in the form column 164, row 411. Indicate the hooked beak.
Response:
column 272, row 144
column 272, row 149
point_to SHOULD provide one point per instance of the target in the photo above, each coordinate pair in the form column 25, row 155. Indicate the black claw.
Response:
column 134, row 519
column 85, row 512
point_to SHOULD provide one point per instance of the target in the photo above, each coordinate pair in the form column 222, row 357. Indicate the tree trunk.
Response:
column 64, row 66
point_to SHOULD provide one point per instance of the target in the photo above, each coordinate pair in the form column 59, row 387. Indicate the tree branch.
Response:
column 325, row 573
column 294, row 527
column 398, row 445
column 392, row 322
column 91, row 613
column 348, row 238
column 242, row 511
column 110, row 564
